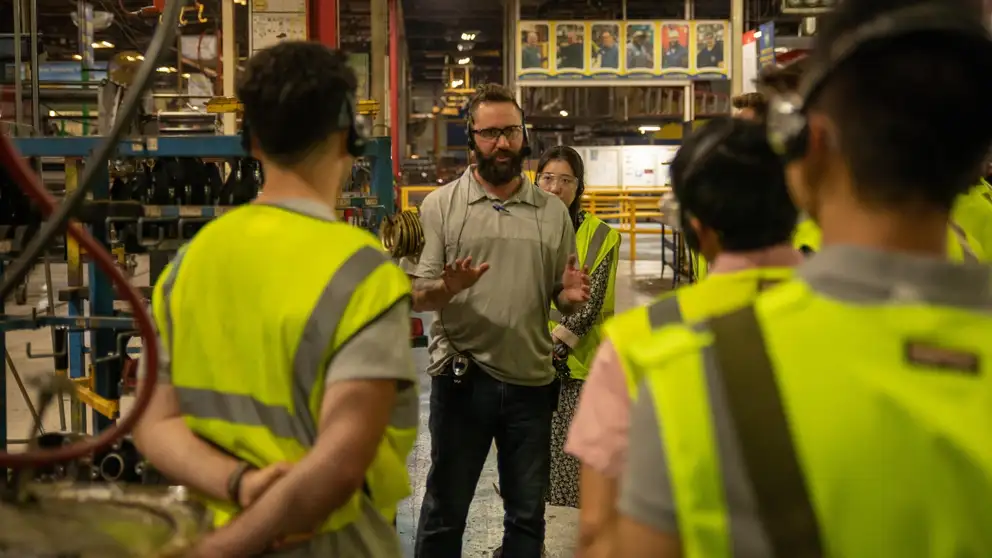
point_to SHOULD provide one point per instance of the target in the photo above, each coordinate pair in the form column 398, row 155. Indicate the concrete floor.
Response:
column 636, row 284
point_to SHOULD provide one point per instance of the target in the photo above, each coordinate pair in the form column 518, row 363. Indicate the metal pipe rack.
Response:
column 91, row 303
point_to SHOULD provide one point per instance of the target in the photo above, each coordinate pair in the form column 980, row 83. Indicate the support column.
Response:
column 228, row 62
column 324, row 22
column 380, row 46
column 394, row 83
column 737, row 47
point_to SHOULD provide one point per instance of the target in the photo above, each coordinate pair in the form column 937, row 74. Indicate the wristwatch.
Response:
column 561, row 351
column 234, row 482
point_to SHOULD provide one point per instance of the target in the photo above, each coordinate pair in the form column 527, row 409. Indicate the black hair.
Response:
column 574, row 160
column 727, row 176
column 294, row 94
column 913, row 112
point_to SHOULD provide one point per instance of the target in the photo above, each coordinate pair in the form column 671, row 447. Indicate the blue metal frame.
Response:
column 99, row 319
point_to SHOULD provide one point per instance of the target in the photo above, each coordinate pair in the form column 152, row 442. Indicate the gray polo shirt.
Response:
column 502, row 321
column 847, row 274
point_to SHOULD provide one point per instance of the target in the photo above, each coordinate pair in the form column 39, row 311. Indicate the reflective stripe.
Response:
column 664, row 312
column 243, row 410
column 596, row 244
column 555, row 316
column 165, row 353
column 969, row 254
column 320, row 329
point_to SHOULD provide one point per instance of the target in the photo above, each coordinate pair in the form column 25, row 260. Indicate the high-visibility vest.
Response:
column 250, row 319
column 973, row 212
column 961, row 245
column 854, row 407
column 718, row 294
column 594, row 240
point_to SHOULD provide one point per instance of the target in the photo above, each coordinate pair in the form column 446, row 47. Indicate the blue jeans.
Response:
column 466, row 416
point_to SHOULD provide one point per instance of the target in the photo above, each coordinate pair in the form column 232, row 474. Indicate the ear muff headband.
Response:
column 525, row 150
column 787, row 124
column 349, row 120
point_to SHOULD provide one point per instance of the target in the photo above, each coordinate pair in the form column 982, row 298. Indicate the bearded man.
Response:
column 498, row 251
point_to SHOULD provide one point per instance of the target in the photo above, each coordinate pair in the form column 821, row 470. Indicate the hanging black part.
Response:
column 766, row 443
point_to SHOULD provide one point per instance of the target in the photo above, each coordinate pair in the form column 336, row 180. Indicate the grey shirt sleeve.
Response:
column 565, row 249
column 431, row 261
column 381, row 351
column 646, row 491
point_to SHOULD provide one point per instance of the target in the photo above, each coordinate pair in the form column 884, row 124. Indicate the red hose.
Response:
column 29, row 183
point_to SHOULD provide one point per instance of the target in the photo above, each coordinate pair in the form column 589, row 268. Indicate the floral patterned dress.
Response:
column 564, row 487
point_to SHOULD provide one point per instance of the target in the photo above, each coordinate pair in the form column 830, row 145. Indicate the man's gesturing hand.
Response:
column 461, row 275
column 575, row 283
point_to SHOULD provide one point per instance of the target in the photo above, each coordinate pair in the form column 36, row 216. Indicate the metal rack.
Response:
column 99, row 384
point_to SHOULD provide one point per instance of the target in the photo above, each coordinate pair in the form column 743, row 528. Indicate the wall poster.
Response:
column 575, row 51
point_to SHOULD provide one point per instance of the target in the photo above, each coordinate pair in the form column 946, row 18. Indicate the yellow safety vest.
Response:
column 594, row 240
column 929, row 415
column 973, row 211
column 244, row 313
column 718, row 294
column 961, row 246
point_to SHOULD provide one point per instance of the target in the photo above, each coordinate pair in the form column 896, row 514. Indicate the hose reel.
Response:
column 402, row 235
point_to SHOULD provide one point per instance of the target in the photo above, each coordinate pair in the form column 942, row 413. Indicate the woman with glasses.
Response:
column 576, row 336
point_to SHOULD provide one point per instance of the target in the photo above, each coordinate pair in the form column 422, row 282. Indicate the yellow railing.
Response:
column 631, row 209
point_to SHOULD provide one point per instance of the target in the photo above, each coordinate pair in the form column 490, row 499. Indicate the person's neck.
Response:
column 504, row 191
column 283, row 184
column 920, row 232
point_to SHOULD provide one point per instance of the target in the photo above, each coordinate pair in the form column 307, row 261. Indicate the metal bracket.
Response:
column 56, row 354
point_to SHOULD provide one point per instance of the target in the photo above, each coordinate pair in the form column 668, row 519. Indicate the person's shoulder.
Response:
column 669, row 346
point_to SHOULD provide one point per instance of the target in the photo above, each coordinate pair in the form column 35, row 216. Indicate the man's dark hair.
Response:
column 295, row 96
column 727, row 176
column 913, row 112
column 490, row 93
column 754, row 101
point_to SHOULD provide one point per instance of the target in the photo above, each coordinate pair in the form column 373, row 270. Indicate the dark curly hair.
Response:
column 296, row 95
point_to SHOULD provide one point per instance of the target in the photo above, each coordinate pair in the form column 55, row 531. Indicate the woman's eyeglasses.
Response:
column 550, row 179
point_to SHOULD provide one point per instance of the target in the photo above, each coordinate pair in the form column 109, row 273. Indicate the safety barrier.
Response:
column 629, row 209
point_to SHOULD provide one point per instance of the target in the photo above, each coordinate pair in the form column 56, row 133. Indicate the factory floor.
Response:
column 636, row 284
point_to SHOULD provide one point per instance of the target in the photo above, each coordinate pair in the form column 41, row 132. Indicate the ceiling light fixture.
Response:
column 468, row 36
column 464, row 61
column 165, row 70
column 646, row 129
column 563, row 112
column 77, row 56
column 457, row 83
column 103, row 44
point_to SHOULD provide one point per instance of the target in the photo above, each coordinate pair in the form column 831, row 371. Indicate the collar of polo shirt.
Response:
column 527, row 193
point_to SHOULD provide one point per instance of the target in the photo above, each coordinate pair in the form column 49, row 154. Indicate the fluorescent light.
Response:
column 103, row 44
column 646, row 129
column 51, row 113
column 165, row 70
column 77, row 56
column 563, row 113
column 464, row 61
column 468, row 36
column 140, row 57
column 457, row 83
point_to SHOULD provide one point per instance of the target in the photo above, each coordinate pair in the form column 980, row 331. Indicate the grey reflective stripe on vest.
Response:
column 664, row 312
column 599, row 236
column 969, row 254
column 318, row 333
column 168, row 284
column 555, row 316
column 320, row 329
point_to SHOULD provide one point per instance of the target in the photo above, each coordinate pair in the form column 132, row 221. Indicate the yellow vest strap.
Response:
column 242, row 410
column 969, row 253
column 755, row 405
column 596, row 244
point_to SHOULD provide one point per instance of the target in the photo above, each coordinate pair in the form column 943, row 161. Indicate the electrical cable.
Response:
column 96, row 164
column 31, row 185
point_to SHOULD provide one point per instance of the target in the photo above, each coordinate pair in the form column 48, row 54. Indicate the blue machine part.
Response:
column 99, row 317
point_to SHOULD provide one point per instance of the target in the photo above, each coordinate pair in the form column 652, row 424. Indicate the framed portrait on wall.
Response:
column 676, row 53
column 533, row 47
column 712, row 42
column 605, row 48
column 640, row 56
column 570, row 47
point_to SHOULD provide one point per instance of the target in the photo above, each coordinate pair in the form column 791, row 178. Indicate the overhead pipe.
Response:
column 394, row 84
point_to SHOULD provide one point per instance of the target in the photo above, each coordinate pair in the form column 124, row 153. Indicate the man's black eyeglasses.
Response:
column 493, row 134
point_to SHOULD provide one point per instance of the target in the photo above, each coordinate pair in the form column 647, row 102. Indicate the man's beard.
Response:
column 498, row 173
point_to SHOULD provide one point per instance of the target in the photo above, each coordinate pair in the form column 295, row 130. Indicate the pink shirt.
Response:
column 598, row 434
